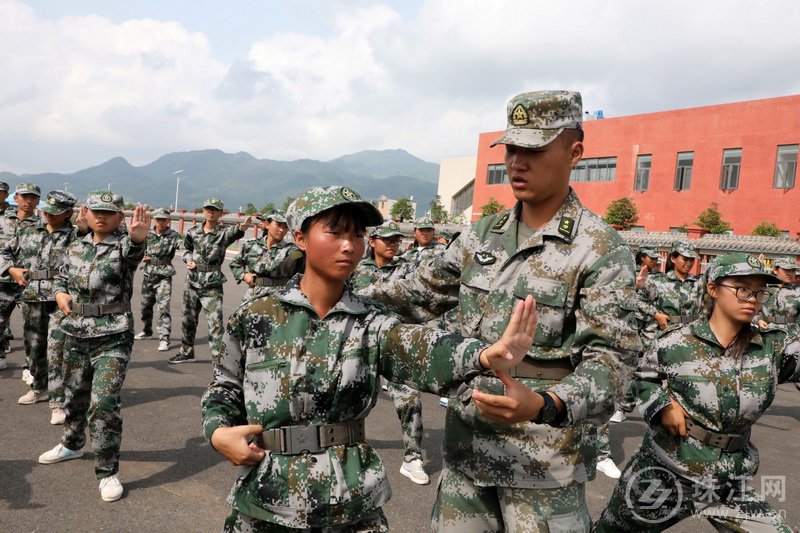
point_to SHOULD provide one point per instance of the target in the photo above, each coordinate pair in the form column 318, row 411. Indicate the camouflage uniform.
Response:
column 582, row 276
column 281, row 365
column 97, row 348
column 38, row 250
column 783, row 308
column 720, row 393
column 273, row 266
column 157, row 279
column 204, row 289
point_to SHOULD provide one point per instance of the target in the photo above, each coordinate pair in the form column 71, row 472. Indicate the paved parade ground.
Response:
column 175, row 482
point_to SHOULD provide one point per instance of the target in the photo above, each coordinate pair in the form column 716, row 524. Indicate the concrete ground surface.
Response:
column 174, row 481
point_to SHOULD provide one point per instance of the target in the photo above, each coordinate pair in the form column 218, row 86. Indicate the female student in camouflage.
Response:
column 93, row 288
column 701, row 388
column 300, row 369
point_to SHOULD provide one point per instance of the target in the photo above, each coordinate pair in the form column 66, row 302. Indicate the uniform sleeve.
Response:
column 425, row 358
column 239, row 263
column 188, row 247
column 646, row 297
column 132, row 253
column 232, row 234
column 61, row 265
column 649, row 385
column 606, row 340
column 790, row 356
column 222, row 404
column 8, row 255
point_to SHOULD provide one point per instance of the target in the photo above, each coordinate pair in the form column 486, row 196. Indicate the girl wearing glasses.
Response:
column 701, row 388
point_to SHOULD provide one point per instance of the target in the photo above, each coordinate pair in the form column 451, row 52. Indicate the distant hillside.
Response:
column 240, row 178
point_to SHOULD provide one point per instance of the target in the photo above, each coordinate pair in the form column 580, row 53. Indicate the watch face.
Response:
column 549, row 413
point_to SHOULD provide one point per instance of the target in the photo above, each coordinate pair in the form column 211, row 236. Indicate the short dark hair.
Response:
column 572, row 135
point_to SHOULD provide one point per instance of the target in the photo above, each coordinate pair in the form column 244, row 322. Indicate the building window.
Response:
column 462, row 199
column 596, row 169
column 497, row 175
column 683, row 171
column 642, row 181
column 731, row 162
column 786, row 166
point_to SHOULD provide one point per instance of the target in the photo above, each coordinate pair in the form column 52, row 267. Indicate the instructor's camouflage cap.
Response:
column 161, row 212
column 318, row 199
column 58, row 202
column 104, row 200
column 535, row 119
column 685, row 249
column 786, row 263
column 739, row 264
column 28, row 188
column 276, row 215
column 386, row 230
column 214, row 202
column 650, row 252
column 424, row 223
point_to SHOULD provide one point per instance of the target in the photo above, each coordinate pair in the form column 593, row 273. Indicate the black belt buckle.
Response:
column 300, row 439
column 88, row 309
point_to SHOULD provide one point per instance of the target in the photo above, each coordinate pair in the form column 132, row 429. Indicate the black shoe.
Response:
column 181, row 358
column 797, row 385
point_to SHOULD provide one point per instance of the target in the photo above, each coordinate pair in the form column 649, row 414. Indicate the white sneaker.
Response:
column 58, row 454
column 618, row 416
column 58, row 417
column 608, row 467
column 139, row 336
column 31, row 397
column 110, row 488
column 3, row 364
column 163, row 346
column 413, row 470
column 444, row 401
column 27, row 377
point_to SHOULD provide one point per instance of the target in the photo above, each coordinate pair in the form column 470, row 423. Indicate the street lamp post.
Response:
column 177, row 186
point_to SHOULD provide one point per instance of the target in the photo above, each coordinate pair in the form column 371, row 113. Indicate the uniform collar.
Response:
column 702, row 329
column 108, row 241
column 674, row 277
column 349, row 303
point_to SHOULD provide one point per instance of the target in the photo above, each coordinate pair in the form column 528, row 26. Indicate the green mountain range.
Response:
column 240, row 178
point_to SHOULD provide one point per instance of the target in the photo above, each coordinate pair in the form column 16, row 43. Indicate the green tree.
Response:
column 491, row 207
column 250, row 209
column 711, row 219
column 286, row 203
column 268, row 207
column 437, row 210
column 623, row 213
column 767, row 229
column 402, row 209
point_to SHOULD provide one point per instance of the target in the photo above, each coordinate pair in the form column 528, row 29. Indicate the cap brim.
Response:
column 371, row 214
column 104, row 207
column 771, row 278
column 54, row 210
column 528, row 137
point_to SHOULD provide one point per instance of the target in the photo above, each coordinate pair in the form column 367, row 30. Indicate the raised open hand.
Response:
column 517, row 339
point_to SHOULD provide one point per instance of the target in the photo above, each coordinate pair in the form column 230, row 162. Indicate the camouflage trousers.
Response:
column 157, row 292
column 374, row 522
column 408, row 405
column 210, row 300
column 650, row 497
column 55, row 360
column 603, row 442
column 462, row 506
column 9, row 296
column 94, row 370
column 36, row 317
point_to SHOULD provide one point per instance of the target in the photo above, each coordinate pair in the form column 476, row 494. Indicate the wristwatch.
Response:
column 548, row 414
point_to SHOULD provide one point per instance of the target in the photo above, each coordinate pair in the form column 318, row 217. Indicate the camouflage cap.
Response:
column 685, row 249
column 318, row 199
column 3, row 186
column 786, row 263
column 27, row 188
column 161, row 212
column 536, row 118
column 276, row 215
column 104, row 200
column 59, row 202
column 650, row 252
column 424, row 223
column 386, row 230
column 216, row 203
column 739, row 264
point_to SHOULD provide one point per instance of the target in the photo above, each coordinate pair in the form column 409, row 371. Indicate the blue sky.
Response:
column 86, row 81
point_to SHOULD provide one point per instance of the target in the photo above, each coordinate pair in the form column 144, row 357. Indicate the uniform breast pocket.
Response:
column 476, row 283
column 266, row 383
column 551, row 298
column 759, row 384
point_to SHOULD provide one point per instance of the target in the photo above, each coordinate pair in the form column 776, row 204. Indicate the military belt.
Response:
column 100, row 309
column 680, row 319
column 779, row 320
column 34, row 275
column 726, row 442
column 293, row 440
column 160, row 262
column 555, row 369
column 270, row 282
column 206, row 267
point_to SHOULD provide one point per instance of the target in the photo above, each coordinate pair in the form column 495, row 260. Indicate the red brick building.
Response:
column 674, row 164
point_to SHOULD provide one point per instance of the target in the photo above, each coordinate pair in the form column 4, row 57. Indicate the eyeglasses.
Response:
column 745, row 295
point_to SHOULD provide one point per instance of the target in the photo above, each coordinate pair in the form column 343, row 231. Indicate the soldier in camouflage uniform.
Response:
column 783, row 308
column 26, row 195
column 514, row 450
column 204, row 252
column 157, row 271
column 4, row 205
column 300, row 371
column 31, row 258
column 424, row 242
column 93, row 289
column 267, row 262
column 701, row 388
column 383, row 265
